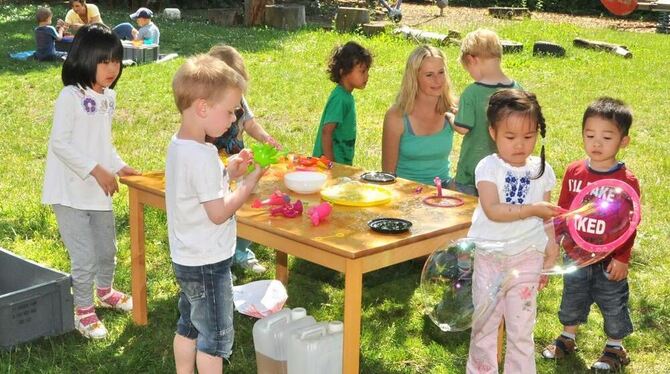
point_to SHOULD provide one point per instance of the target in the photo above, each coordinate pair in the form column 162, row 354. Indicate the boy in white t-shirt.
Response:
column 201, row 211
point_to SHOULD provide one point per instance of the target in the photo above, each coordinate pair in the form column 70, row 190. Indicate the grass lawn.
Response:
column 288, row 90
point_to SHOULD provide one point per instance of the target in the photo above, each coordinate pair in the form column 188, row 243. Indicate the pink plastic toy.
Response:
column 438, row 185
column 319, row 213
column 277, row 198
column 287, row 210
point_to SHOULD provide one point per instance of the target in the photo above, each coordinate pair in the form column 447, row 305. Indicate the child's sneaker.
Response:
column 114, row 299
column 254, row 266
column 88, row 324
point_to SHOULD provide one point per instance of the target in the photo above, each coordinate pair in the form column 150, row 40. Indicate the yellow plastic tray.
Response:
column 356, row 194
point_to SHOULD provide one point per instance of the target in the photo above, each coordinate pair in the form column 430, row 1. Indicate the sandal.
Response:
column 561, row 347
column 90, row 326
column 116, row 300
column 612, row 359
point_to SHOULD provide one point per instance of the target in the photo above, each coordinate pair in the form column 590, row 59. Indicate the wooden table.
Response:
column 343, row 243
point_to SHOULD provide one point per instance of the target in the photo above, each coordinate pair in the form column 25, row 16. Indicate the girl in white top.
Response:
column 514, row 191
column 81, row 169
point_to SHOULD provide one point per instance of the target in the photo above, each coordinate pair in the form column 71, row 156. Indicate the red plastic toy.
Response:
column 319, row 213
column 277, row 198
column 287, row 210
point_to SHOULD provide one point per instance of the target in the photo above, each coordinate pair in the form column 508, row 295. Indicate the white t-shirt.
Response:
column 194, row 174
column 515, row 186
column 81, row 138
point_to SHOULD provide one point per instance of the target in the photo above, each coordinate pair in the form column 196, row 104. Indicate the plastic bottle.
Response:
column 299, row 320
column 271, row 336
column 316, row 349
column 265, row 341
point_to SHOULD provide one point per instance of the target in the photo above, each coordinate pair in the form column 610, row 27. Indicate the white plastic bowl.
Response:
column 305, row 181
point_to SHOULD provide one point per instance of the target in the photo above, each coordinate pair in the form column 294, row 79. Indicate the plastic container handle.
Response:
column 314, row 331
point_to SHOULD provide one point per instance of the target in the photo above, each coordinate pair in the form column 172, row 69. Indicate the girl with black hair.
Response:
column 514, row 191
column 81, row 169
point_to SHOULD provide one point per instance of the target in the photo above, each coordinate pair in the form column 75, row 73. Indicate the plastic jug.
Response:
column 270, row 335
column 299, row 320
column 316, row 349
column 265, row 341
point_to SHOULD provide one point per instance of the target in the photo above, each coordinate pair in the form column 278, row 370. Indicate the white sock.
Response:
column 614, row 343
column 569, row 335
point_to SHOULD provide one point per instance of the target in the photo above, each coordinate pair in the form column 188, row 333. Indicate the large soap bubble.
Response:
column 602, row 217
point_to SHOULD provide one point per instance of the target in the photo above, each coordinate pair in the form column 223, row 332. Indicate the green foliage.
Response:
column 287, row 92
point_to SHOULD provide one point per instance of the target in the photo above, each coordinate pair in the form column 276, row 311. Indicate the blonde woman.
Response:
column 418, row 128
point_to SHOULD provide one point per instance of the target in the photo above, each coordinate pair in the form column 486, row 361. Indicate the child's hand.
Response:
column 238, row 164
column 545, row 210
column 270, row 140
column 127, row 170
column 618, row 270
column 544, row 281
column 106, row 180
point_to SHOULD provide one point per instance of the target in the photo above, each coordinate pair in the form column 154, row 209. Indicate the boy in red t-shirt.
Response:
column 605, row 128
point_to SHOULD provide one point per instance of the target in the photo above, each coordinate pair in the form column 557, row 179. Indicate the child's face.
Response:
column 106, row 74
column 356, row 78
column 48, row 20
column 432, row 76
column 515, row 137
column 141, row 22
column 602, row 140
column 221, row 112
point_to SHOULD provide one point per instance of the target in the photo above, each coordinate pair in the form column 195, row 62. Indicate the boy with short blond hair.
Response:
column 605, row 127
column 46, row 36
column 481, row 55
column 201, row 211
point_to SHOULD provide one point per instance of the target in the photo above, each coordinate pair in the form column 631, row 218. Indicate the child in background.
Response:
column 514, row 192
column 46, row 37
column 148, row 32
column 201, row 211
column 232, row 142
column 481, row 54
column 81, row 169
column 336, row 137
column 605, row 128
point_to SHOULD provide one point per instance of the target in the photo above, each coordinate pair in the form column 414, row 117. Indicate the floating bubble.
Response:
column 602, row 217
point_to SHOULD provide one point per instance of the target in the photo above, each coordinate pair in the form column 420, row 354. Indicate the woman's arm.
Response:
column 502, row 212
column 391, row 134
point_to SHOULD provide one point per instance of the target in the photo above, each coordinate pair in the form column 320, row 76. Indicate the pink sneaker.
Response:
column 115, row 300
column 88, row 324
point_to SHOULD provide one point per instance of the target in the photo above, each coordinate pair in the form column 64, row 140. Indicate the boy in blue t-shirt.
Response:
column 46, row 37
column 148, row 31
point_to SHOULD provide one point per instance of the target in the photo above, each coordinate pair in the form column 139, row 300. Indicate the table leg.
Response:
column 281, row 267
column 138, row 273
column 353, row 294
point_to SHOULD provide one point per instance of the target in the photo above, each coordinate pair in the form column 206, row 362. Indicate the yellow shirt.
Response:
column 73, row 18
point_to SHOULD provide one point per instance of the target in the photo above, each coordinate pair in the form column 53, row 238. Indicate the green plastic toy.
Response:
column 265, row 155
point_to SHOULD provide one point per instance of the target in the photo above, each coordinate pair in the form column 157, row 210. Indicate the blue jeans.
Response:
column 206, row 306
column 242, row 251
column 590, row 285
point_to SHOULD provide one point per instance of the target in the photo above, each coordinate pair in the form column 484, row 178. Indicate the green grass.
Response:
column 287, row 93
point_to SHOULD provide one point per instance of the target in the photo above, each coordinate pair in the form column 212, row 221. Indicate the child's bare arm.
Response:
column 258, row 132
column 220, row 210
column 502, row 212
column 327, row 140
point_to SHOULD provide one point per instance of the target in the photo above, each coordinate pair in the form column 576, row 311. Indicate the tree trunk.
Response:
column 287, row 17
column 348, row 19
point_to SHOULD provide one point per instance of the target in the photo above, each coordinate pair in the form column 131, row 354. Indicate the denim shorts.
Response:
column 590, row 285
column 206, row 306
